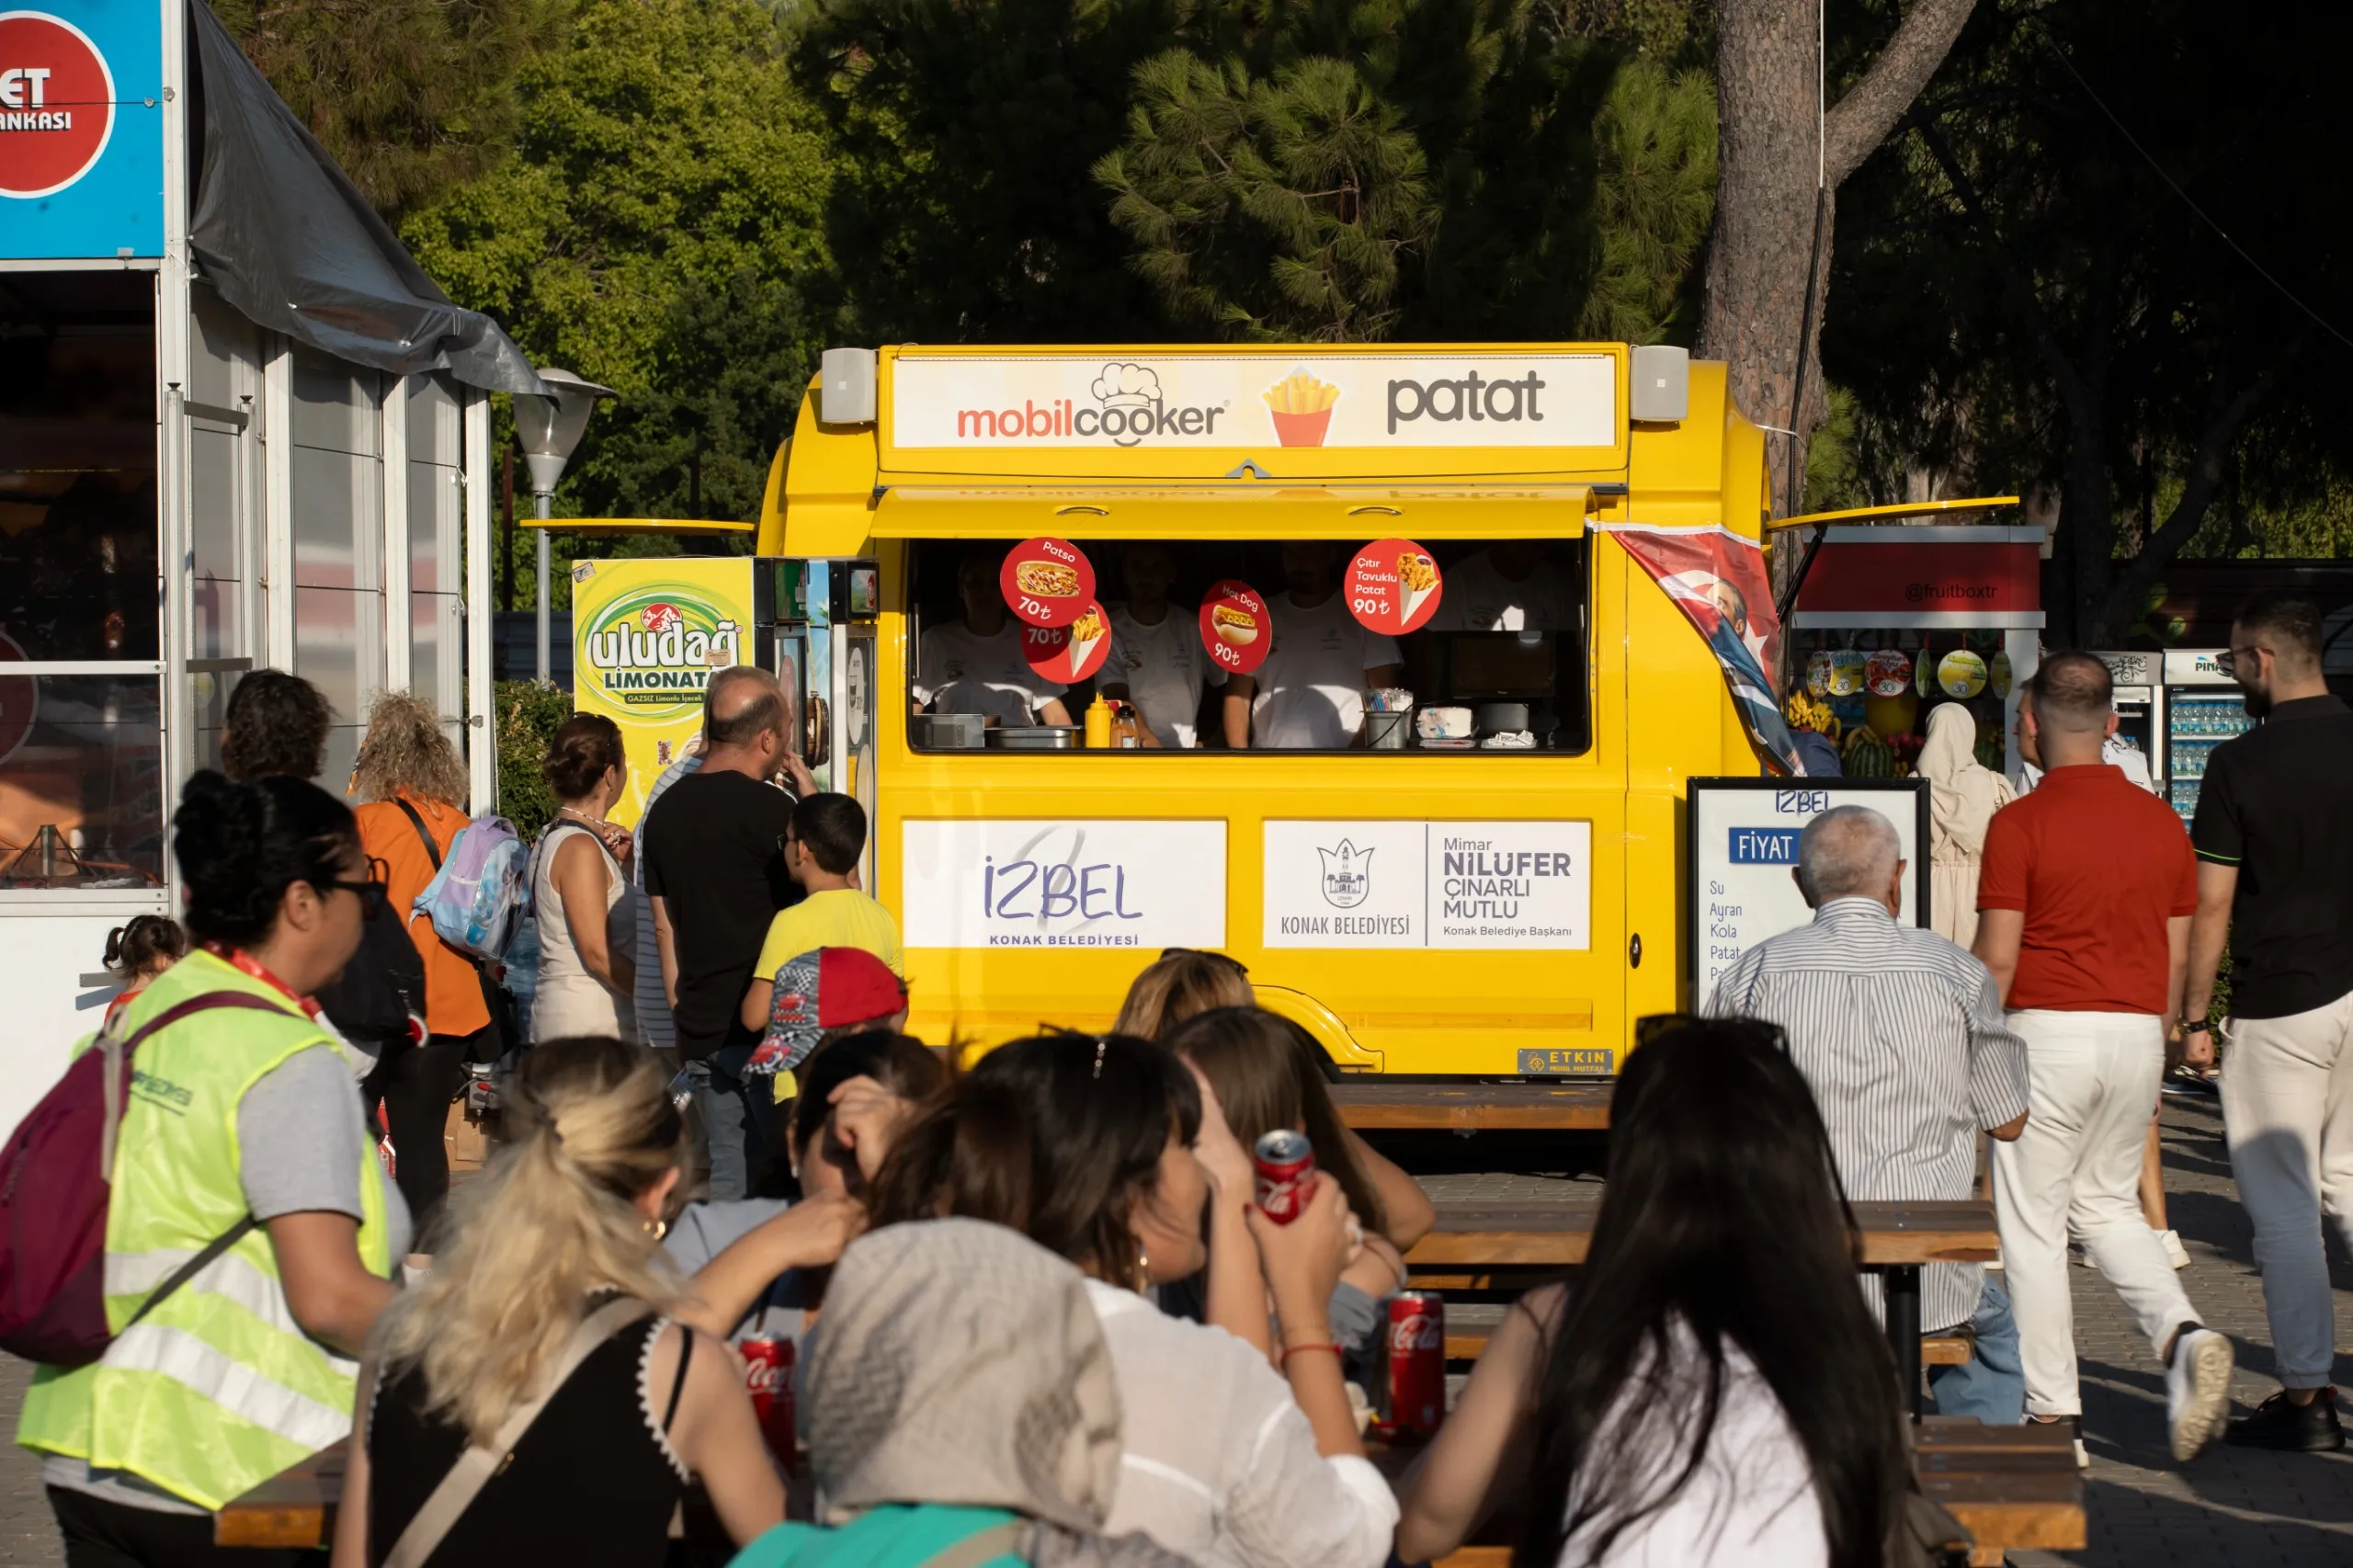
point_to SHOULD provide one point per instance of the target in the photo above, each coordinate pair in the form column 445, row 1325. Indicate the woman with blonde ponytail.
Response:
column 560, row 1229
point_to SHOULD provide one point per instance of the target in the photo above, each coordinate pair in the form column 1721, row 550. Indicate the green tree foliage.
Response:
column 1414, row 168
column 2028, row 304
column 529, row 716
column 1328, row 169
column 1273, row 209
column 962, row 132
column 655, row 230
column 410, row 97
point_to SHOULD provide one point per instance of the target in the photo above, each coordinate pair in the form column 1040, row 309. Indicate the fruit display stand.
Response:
column 1890, row 619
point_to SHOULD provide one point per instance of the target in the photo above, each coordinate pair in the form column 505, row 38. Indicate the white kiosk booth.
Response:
column 239, row 428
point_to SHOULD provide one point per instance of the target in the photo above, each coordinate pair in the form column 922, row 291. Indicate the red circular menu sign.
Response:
column 1068, row 654
column 1392, row 587
column 1235, row 627
column 56, row 104
column 1047, row 582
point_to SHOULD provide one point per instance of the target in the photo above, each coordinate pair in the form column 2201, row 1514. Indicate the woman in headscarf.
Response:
column 1963, row 795
column 962, row 1407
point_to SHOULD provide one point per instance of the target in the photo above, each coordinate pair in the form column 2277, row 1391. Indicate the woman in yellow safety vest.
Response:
column 235, row 1113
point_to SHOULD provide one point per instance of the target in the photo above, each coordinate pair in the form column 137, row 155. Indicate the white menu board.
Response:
column 1743, row 843
column 1063, row 884
column 1430, row 884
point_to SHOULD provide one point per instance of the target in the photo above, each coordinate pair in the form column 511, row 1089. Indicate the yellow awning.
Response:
column 606, row 528
column 1243, row 512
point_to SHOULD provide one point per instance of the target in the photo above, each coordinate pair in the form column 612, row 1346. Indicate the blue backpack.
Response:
column 478, row 892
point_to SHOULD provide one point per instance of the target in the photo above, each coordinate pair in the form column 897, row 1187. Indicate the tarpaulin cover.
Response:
column 1717, row 579
column 286, row 238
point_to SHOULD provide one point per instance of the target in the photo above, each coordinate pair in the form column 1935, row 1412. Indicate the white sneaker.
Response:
column 2175, row 1253
column 2197, row 1391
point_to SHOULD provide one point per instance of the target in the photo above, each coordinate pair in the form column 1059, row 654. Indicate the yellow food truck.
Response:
column 1404, row 722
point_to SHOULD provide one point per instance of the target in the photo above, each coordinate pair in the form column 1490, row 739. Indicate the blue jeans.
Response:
column 736, row 1112
column 1990, row 1385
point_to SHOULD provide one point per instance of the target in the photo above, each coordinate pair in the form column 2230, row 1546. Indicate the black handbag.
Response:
column 371, row 1000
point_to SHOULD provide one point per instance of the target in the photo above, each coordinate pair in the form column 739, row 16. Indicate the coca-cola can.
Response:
column 767, row 1378
column 1284, row 1161
column 1411, row 1401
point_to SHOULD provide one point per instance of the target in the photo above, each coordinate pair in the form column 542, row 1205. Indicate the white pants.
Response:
column 2287, row 1107
column 2091, row 1082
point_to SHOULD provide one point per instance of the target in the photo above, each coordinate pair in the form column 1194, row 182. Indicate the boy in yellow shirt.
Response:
column 821, row 849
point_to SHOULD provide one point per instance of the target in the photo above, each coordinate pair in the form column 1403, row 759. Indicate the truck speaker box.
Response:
column 845, row 393
column 1662, row 378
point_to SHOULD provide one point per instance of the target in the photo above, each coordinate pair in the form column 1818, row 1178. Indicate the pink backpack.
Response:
column 56, row 1181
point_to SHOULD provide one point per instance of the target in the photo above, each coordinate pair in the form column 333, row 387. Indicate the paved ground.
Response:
column 2227, row 1509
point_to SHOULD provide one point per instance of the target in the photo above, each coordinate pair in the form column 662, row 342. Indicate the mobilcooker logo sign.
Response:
column 1364, row 400
column 56, row 104
column 1128, row 408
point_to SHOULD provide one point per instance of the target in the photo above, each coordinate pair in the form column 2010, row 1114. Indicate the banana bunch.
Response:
column 1807, row 711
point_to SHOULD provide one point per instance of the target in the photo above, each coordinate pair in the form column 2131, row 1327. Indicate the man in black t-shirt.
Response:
column 715, row 875
column 2274, row 836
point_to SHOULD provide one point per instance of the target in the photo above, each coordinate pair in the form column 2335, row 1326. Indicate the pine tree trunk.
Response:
column 1774, row 156
column 1769, row 155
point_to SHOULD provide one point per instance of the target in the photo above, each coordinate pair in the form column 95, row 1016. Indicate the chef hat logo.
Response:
column 1129, row 386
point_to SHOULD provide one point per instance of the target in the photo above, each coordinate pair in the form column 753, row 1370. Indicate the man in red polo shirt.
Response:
column 2084, row 917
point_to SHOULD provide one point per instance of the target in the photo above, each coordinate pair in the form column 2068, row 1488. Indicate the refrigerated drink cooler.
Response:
column 2203, row 709
column 2139, row 680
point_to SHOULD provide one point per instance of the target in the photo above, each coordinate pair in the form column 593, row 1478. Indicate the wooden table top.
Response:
column 1398, row 1108
column 1554, row 1232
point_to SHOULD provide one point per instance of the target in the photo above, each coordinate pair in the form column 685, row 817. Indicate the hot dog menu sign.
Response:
column 1437, row 399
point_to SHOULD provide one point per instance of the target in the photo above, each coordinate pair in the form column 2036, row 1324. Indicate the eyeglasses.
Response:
column 2227, row 661
column 1239, row 967
column 374, row 895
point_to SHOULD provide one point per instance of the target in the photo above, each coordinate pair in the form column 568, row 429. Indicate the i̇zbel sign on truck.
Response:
column 82, row 131
column 1448, row 399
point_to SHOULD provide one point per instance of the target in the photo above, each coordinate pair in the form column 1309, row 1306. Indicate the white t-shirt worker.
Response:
column 963, row 672
column 1311, row 691
column 1480, row 597
column 1164, row 668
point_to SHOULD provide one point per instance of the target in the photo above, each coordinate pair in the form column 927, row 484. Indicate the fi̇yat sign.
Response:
column 1064, row 884
column 1385, row 400
column 1430, row 884
column 56, row 103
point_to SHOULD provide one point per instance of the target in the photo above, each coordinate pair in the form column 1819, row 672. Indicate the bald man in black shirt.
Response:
column 715, row 875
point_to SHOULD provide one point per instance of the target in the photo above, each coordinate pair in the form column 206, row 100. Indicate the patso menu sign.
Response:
column 1430, row 884
column 1359, row 401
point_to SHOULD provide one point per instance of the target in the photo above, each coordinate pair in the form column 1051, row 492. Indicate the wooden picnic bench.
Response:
column 1483, row 1244
column 1384, row 1107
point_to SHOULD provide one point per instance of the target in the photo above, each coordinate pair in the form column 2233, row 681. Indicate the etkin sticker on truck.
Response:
column 1064, row 884
column 1430, row 884
column 1206, row 400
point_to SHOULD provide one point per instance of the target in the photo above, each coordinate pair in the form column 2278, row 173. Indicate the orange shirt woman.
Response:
column 406, row 763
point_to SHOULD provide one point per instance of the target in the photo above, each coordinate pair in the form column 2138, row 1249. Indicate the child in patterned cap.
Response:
column 823, row 994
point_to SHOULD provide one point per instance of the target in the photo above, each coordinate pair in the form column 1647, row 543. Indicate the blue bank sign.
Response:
column 81, row 130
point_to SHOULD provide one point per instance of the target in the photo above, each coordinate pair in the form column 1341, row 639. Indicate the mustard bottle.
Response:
column 1098, row 725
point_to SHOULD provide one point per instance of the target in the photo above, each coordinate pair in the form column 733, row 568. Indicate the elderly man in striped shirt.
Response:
column 1900, row 1032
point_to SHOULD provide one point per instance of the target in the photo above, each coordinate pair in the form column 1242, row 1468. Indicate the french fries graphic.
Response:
column 1417, row 577
column 1301, row 406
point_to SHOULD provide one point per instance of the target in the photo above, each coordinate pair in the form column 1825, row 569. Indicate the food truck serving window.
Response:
column 1317, row 645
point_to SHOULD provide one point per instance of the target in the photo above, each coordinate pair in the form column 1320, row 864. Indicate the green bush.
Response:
column 529, row 717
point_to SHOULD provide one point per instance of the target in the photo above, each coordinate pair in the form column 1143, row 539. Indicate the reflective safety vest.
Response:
column 218, row 1389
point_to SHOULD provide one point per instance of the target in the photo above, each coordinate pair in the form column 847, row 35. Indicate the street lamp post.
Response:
column 548, row 429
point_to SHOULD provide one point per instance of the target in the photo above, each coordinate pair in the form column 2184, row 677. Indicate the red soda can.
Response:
column 1284, row 1160
column 1414, row 1402
column 767, row 1378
